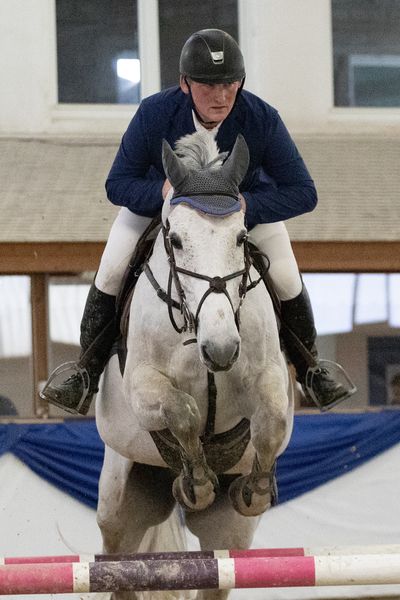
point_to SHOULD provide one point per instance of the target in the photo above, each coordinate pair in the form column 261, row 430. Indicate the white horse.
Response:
column 216, row 459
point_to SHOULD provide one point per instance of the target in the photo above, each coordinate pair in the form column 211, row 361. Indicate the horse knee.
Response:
column 268, row 434
column 182, row 417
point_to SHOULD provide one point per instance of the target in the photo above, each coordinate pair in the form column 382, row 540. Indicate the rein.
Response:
column 217, row 285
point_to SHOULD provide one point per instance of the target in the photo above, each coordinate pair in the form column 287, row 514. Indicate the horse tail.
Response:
column 169, row 536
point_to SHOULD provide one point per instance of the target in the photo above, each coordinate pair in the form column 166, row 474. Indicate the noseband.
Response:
column 217, row 285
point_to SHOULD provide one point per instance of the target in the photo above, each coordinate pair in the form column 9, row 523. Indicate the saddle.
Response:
column 141, row 254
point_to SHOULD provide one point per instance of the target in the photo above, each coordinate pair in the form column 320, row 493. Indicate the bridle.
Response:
column 217, row 285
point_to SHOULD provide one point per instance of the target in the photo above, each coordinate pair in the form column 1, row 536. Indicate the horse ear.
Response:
column 236, row 165
column 174, row 169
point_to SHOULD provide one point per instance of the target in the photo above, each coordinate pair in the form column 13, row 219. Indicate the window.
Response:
column 374, row 80
column 366, row 50
column 97, row 51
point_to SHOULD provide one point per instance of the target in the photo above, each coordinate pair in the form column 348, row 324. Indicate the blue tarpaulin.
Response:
column 69, row 455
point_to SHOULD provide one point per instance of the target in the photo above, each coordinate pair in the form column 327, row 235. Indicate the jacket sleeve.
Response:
column 133, row 181
column 282, row 188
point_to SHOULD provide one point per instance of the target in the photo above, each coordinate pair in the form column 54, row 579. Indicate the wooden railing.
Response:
column 41, row 260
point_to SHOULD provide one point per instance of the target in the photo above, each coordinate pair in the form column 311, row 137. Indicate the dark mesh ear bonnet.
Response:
column 214, row 191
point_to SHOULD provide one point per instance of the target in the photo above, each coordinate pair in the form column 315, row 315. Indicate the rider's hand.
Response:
column 165, row 188
column 242, row 202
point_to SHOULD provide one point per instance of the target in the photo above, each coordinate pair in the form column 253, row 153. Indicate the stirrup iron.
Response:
column 338, row 373
column 72, row 368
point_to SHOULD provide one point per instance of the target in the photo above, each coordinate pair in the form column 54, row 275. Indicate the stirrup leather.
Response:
column 72, row 368
column 337, row 372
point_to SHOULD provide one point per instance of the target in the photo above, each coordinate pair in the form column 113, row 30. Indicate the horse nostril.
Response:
column 220, row 359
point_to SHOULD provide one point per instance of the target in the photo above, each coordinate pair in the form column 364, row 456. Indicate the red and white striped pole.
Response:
column 251, row 553
column 200, row 573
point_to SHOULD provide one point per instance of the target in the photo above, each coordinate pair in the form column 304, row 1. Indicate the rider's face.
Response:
column 214, row 101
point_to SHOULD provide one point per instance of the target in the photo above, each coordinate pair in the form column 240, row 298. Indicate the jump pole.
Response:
column 209, row 573
column 251, row 553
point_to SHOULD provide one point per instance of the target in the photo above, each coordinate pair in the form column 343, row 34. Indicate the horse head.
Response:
column 206, row 240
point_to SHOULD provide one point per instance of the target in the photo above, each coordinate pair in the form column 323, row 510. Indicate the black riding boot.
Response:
column 98, row 332
column 297, row 316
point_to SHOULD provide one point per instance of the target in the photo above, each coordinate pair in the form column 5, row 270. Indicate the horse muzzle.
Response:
column 219, row 357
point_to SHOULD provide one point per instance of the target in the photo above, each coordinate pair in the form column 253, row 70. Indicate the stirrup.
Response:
column 338, row 373
column 72, row 368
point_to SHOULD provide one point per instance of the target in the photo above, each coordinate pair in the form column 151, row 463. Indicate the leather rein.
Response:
column 217, row 285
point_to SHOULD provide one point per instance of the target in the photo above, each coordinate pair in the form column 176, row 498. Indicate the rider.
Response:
column 277, row 187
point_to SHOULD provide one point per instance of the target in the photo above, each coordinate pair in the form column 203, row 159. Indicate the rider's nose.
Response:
column 220, row 93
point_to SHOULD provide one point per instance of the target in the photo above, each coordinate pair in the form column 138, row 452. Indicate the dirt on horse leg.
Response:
column 159, row 405
column 253, row 494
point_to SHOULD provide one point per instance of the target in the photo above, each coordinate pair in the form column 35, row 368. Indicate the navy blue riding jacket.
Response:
column 277, row 185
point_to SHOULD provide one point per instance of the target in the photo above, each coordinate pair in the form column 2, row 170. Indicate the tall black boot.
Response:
column 297, row 318
column 98, row 332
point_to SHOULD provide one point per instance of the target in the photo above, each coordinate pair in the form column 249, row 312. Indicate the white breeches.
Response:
column 124, row 235
column 271, row 238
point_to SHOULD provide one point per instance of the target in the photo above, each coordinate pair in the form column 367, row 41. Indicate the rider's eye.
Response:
column 241, row 238
column 175, row 241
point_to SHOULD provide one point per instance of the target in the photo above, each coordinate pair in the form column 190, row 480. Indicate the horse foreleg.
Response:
column 159, row 405
column 253, row 494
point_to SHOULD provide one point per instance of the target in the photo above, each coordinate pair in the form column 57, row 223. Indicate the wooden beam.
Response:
column 77, row 257
column 348, row 257
column 49, row 257
column 40, row 336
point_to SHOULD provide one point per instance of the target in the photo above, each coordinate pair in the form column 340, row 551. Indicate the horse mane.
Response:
column 199, row 150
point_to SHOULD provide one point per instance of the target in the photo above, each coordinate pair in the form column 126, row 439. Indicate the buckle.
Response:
column 338, row 374
column 70, row 368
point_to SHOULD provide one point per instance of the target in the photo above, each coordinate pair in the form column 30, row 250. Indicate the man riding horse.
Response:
column 277, row 186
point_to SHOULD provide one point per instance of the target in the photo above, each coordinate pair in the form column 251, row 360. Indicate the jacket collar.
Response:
column 233, row 124
column 183, row 120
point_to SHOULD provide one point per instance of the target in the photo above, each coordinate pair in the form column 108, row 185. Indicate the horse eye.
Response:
column 241, row 238
column 175, row 241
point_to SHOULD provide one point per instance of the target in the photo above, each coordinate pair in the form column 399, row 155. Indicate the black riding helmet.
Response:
column 212, row 56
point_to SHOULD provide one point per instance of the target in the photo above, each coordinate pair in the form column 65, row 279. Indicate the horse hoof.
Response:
column 191, row 496
column 248, row 499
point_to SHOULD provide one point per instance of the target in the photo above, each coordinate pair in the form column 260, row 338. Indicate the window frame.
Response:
column 356, row 118
column 87, row 116
column 115, row 117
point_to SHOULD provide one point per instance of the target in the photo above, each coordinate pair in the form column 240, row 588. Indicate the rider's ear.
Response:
column 183, row 84
column 236, row 165
column 174, row 168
